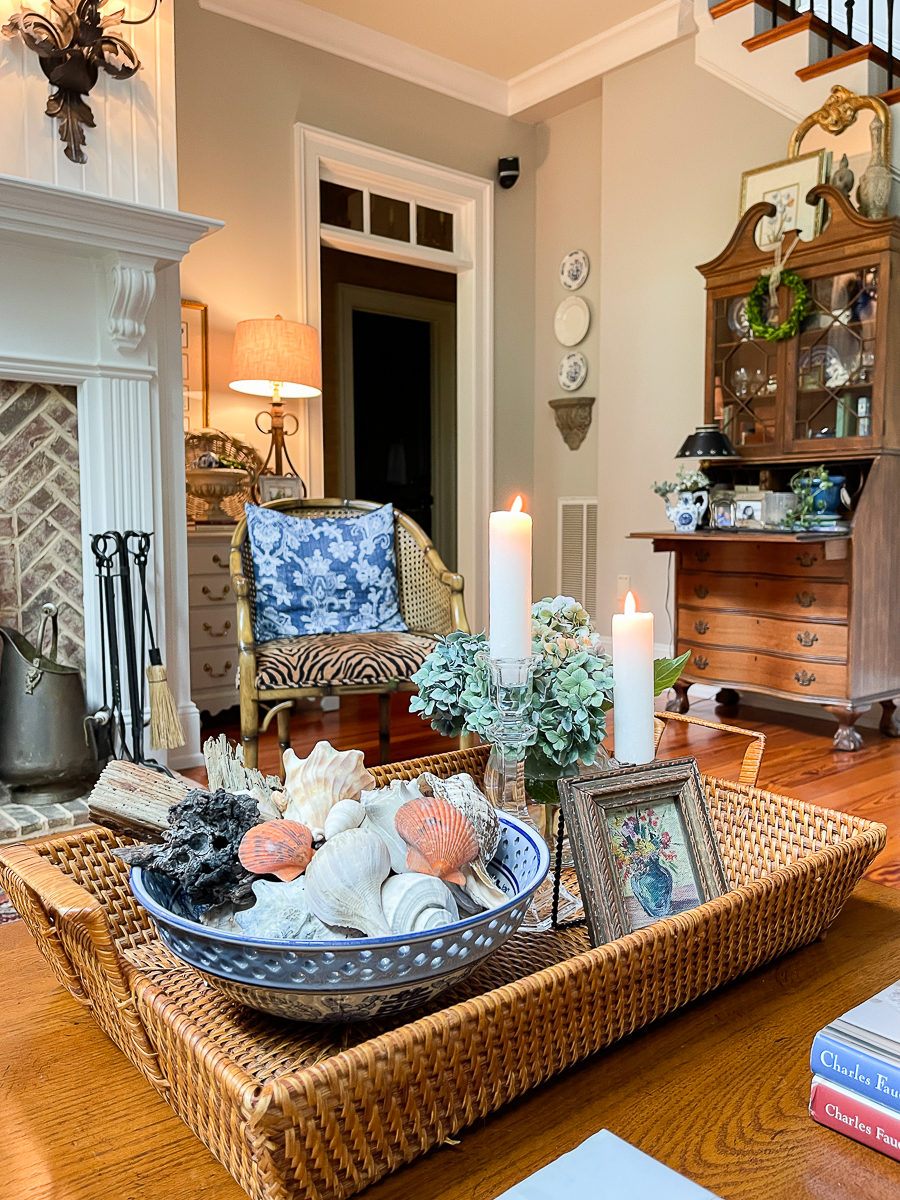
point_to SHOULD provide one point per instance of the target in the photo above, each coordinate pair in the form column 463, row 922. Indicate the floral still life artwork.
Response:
column 787, row 203
column 654, row 868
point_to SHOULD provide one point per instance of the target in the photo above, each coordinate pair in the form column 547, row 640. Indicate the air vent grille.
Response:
column 577, row 540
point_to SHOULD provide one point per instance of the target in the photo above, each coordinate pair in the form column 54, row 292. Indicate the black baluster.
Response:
column 849, row 5
column 871, row 22
column 774, row 13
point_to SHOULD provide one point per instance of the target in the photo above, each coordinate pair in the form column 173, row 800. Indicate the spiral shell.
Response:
column 440, row 838
column 282, row 848
column 346, row 814
column 343, row 882
column 413, row 903
column 381, row 807
column 315, row 784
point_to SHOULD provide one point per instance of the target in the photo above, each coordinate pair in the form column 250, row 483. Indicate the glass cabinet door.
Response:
column 745, row 378
column 836, row 358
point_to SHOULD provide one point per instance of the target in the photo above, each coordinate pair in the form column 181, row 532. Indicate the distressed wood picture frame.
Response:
column 643, row 844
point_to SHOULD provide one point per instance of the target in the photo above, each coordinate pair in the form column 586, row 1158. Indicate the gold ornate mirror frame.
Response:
column 838, row 113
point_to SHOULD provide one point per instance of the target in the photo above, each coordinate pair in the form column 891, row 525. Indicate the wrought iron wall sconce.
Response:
column 74, row 45
column 573, row 418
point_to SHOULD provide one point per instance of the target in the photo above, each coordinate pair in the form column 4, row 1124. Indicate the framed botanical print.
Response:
column 643, row 844
column 280, row 487
column 785, row 184
column 195, row 364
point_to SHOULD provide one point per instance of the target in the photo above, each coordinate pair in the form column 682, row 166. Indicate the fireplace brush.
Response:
column 166, row 731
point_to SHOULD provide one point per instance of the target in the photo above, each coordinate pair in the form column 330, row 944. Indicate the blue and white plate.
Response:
column 572, row 371
column 574, row 270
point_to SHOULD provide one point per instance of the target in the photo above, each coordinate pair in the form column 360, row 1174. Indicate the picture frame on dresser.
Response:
column 643, row 844
column 195, row 364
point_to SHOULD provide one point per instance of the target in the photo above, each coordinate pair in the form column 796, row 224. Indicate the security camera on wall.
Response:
column 508, row 171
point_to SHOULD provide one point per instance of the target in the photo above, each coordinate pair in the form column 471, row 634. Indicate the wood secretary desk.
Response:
column 812, row 616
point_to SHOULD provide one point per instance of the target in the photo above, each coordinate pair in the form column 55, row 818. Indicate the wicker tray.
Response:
column 300, row 1111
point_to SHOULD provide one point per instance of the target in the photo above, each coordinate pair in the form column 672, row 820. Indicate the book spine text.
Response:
column 855, row 1069
column 849, row 1114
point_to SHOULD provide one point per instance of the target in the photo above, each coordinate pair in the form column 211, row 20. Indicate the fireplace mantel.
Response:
column 90, row 297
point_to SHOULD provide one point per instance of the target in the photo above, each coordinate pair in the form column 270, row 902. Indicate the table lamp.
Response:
column 277, row 358
column 707, row 441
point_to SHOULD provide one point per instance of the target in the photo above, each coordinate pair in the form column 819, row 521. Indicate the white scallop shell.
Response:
column 315, row 784
column 281, row 912
column 381, row 807
column 413, row 903
column 343, row 881
column 481, row 887
column 346, row 814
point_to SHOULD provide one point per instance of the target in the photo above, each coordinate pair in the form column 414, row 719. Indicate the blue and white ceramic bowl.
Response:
column 359, row 978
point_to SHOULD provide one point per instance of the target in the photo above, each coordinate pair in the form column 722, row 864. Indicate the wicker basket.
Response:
column 299, row 1111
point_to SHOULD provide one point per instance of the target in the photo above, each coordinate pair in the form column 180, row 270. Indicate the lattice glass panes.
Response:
column 836, row 357
column 746, row 383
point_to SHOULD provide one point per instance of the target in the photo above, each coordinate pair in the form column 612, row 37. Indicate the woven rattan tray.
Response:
column 300, row 1111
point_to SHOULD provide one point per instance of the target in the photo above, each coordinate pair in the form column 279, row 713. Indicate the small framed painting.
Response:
column 280, row 487
column 785, row 185
column 643, row 843
column 195, row 364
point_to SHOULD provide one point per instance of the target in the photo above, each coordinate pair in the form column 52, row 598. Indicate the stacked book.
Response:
column 856, row 1073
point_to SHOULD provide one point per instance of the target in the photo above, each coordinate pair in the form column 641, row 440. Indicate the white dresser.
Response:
column 213, row 623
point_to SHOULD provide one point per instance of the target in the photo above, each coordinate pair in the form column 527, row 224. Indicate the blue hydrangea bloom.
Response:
column 324, row 574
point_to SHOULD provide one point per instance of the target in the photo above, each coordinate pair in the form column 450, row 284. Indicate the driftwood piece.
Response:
column 134, row 800
column 225, row 769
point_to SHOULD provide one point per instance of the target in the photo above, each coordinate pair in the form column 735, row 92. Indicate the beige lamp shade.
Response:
column 269, row 351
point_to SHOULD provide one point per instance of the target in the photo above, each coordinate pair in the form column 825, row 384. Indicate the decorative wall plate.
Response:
column 573, row 270
column 737, row 317
column 572, row 371
column 571, row 321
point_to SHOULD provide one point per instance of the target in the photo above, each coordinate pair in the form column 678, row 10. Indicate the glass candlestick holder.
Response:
column 512, row 686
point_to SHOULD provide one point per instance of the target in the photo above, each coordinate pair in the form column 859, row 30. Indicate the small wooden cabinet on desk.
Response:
column 812, row 616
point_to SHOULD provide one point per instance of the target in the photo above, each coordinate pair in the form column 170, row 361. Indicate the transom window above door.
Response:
column 402, row 219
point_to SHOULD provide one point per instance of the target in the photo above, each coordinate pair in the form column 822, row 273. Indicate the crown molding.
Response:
column 648, row 31
column 348, row 39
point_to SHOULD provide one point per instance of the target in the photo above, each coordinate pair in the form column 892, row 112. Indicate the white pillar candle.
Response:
column 632, row 638
column 510, row 583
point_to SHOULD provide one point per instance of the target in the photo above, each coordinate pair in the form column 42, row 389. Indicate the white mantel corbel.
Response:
column 133, row 286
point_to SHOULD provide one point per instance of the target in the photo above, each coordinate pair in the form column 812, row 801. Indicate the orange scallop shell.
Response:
column 282, row 848
column 440, row 838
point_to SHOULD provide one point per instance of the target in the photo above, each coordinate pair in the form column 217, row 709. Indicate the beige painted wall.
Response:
column 239, row 92
column 669, row 142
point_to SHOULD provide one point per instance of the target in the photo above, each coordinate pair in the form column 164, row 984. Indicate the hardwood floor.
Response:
column 799, row 759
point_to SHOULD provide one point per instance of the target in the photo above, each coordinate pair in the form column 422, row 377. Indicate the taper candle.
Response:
column 510, row 582
column 632, row 638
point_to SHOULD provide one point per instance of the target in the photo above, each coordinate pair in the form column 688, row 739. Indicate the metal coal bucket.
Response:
column 44, row 756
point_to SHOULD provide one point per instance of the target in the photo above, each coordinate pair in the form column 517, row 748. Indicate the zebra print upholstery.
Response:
column 335, row 659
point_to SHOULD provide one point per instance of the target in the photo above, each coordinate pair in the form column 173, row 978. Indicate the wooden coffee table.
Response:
column 718, row 1091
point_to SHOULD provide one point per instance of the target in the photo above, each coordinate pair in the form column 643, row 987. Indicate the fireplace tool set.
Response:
column 116, row 555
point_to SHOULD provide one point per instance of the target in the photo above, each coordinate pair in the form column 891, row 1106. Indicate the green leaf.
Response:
column 666, row 672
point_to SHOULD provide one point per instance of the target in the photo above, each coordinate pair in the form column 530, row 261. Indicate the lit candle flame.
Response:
column 516, row 505
column 630, row 606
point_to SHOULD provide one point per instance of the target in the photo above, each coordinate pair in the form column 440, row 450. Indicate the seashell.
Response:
column 481, row 887
column 281, row 848
column 343, row 881
column 315, row 784
column 269, row 810
column 281, row 912
column 413, row 903
column 440, row 838
column 381, row 807
column 464, row 793
column 346, row 814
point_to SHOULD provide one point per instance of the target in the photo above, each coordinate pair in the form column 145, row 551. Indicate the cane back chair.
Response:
column 275, row 673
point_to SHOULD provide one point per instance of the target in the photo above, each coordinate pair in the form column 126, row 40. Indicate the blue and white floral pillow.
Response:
column 324, row 574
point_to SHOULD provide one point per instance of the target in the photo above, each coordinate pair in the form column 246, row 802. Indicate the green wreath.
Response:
column 788, row 328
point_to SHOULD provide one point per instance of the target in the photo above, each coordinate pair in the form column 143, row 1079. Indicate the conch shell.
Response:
column 343, row 882
column 346, row 814
column 381, row 807
column 413, row 903
column 315, row 784
column 439, row 837
column 282, row 848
